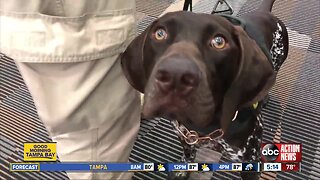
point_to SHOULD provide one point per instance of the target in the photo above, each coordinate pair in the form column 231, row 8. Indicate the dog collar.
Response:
column 191, row 137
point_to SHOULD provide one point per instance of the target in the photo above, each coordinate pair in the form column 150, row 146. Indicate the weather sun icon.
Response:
column 205, row 167
column 161, row 167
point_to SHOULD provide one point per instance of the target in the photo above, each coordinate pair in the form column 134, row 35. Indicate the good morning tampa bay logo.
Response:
column 270, row 152
column 40, row 151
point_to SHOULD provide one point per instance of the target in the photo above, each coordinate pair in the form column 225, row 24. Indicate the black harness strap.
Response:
column 186, row 5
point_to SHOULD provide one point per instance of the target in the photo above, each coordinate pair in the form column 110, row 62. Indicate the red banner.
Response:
column 290, row 167
column 281, row 152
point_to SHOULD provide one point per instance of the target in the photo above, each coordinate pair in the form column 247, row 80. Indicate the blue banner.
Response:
column 221, row 167
column 118, row 167
column 91, row 167
column 124, row 167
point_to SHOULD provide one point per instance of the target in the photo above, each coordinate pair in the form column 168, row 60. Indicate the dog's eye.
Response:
column 160, row 34
column 218, row 42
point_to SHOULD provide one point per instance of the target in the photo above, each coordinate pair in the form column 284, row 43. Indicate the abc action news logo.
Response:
column 281, row 152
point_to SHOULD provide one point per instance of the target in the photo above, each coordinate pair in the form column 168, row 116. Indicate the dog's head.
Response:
column 198, row 69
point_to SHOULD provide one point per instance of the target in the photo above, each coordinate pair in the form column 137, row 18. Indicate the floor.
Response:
column 292, row 115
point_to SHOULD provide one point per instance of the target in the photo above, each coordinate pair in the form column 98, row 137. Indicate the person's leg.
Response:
column 68, row 55
column 89, row 109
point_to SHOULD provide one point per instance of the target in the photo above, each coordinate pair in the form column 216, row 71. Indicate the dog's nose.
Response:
column 181, row 75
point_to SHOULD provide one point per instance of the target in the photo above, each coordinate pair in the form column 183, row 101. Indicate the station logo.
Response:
column 270, row 152
column 281, row 152
column 40, row 151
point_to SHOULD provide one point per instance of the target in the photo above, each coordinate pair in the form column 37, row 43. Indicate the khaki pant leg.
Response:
column 88, row 108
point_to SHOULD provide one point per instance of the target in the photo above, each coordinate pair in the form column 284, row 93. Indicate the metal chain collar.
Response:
column 192, row 137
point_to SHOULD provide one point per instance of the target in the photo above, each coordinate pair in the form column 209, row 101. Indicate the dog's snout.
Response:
column 181, row 75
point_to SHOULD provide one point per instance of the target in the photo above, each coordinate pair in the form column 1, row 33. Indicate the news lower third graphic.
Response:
column 127, row 167
column 43, row 157
column 152, row 167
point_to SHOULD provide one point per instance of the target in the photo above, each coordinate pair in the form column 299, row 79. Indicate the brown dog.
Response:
column 201, row 69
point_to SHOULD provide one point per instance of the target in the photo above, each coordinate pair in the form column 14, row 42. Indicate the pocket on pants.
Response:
column 34, row 37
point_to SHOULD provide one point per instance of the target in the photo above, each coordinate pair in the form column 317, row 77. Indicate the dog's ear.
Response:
column 132, row 61
column 254, row 78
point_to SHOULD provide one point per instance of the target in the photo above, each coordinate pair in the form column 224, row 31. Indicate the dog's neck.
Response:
column 239, row 118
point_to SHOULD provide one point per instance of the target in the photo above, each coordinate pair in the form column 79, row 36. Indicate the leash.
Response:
column 188, row 4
